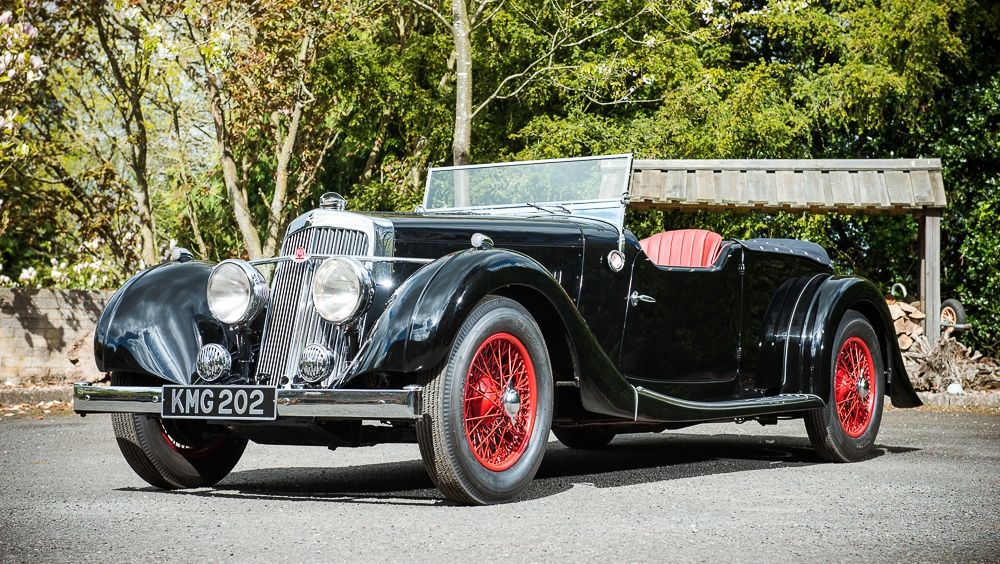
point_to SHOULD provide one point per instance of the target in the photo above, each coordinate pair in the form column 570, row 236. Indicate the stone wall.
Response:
column 46, row 336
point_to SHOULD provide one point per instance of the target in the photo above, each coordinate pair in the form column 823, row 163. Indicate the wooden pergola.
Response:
column 865, row 186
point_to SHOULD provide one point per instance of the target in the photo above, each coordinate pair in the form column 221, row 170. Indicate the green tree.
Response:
column 252, row 109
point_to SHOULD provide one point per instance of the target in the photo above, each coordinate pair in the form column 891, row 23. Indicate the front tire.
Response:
column 173, row 454
column 845, row 429
column 488, row 412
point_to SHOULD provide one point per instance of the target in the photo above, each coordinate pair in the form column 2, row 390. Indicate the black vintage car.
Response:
column 512, row 303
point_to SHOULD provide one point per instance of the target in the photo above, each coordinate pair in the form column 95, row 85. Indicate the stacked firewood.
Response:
column 948, row 362
column 908, row 321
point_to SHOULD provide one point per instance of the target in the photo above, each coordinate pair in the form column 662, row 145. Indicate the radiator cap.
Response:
column 332, row 201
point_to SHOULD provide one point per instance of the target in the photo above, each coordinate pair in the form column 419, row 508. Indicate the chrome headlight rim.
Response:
column 364, row 295
column 255, row 289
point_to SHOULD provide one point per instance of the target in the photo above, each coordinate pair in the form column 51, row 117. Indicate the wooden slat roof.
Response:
column 822, row 185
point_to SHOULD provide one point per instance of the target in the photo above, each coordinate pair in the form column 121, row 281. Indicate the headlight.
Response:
column 236, row 292
column 341, row 289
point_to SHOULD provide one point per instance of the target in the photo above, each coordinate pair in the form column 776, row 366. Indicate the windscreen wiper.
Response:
column 546, row 207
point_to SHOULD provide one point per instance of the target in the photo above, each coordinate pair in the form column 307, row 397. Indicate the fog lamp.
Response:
column 315, row 363
column 213, row 361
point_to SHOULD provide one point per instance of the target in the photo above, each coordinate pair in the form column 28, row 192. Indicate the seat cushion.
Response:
column 683, row 247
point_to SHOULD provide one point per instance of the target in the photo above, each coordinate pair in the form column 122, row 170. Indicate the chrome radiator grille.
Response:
column 292, row 322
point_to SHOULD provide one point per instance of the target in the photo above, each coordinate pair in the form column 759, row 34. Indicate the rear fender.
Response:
column 156, row 323
column 779, row 367
column 810, row 341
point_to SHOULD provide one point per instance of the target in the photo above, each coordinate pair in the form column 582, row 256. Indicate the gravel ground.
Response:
column 717, row 492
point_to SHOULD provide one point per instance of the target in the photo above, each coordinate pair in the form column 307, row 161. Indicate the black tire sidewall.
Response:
column 856, row 325
column 498, row 316
column 175, row 470
column 183, row 471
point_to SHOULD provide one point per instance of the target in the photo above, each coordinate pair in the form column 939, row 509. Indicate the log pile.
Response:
column 909, row 322
column 933, row 369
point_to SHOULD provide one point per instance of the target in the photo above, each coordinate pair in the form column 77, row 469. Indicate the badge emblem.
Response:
column 300, row 255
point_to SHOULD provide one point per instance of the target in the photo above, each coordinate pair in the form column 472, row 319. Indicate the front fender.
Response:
column 415, row 331
column 813, row 350
column 156, row 323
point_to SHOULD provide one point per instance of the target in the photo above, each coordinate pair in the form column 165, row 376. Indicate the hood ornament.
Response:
column 332, row 201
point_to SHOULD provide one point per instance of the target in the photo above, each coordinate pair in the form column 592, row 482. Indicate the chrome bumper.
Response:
column 336, row 404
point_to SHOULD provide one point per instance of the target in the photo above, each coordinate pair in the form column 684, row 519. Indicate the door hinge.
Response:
column 739, row 353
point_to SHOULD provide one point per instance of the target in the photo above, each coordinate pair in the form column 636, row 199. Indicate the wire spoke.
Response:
column 500, row 364
column 854, row 373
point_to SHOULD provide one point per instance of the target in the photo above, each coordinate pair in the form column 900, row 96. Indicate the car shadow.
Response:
column 639, row 459
column 628, row 460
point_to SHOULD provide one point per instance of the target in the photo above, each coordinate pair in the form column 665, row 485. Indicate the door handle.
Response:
column 636, row 297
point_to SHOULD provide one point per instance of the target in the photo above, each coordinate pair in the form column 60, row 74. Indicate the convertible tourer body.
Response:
column 513, row 303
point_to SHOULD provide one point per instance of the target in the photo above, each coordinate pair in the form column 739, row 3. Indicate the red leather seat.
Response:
column 683, row 247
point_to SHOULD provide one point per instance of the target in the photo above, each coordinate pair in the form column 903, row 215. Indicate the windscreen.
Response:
column 559, row 182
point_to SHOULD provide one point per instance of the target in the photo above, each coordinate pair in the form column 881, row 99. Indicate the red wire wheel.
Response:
column 498, row 439
column 189, row 451
column 172, row 454
column 855, row 387
column 844, row 430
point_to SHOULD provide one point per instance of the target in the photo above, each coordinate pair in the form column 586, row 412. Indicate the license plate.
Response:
column 220, row 402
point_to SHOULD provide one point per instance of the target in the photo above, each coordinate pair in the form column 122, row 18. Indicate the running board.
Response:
column 655, row 407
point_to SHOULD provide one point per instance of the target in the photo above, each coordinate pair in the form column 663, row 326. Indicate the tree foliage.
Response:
column 252, row 109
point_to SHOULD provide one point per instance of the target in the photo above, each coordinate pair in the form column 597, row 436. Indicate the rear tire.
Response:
column 482, row 443
column 845, row 429
column 173, row 454
column 586, row 439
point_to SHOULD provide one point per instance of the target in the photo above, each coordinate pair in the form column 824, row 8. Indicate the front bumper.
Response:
column 333, row 404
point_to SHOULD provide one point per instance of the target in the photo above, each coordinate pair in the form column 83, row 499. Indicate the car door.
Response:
column 682, row 328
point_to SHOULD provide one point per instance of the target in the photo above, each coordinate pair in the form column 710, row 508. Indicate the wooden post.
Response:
column 930, row 271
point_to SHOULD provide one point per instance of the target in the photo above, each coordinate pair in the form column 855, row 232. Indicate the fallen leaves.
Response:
column 37, row 410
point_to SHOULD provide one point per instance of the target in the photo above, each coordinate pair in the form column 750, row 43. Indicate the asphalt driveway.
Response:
column 721, row 492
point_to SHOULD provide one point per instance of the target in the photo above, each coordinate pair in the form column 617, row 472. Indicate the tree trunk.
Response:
column 230, row 176
column 193, row 219
column 133, row 87
column 375, row 154
column 276, row 218
column 147, row 222
column 230, row 173
column 462, row 140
